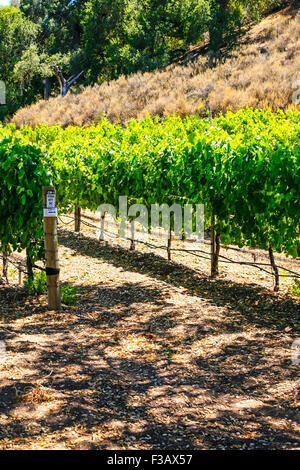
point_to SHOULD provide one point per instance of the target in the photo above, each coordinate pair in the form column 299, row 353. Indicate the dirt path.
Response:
column 153, row 356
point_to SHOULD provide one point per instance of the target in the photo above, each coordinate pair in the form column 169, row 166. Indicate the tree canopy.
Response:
column 107, row 38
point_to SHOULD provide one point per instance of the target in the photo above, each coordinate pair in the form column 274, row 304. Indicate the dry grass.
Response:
column 260, row 74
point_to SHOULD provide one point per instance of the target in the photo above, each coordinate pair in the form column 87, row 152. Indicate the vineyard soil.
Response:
column 154, row 356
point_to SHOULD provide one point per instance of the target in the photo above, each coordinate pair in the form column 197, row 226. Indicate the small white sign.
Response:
column 50, row 212
column 50, row 200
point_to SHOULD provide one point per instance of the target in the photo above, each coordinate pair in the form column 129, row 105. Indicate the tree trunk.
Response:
column 275, row 269
column 46, row 83
column 76, row 33
column 215, row 249
column 5, row 264
column 63, row 83
column 29, row 266
column 77, row 218
column 215, row 260
column 217, row 28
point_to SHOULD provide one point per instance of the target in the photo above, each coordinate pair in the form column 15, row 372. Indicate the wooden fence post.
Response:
column 169, row 244
column 102, row 222
column 51, row 247
column 132, row 233
column 77, row 218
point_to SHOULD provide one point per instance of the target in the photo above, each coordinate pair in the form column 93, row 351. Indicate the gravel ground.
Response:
column 155, row 355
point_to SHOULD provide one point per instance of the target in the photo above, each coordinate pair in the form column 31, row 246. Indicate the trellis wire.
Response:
column 223, row 259
column 22, row 267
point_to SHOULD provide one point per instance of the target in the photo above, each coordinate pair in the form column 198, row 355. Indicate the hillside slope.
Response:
column 260, row 74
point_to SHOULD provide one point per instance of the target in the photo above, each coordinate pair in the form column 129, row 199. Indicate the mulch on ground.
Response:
column 155, row 355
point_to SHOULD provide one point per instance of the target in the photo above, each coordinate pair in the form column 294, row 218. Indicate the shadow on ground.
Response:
column 115, row 376
column 248, row 302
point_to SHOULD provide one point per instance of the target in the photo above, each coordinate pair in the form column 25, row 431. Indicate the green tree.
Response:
column 17, row 33
column 59, row 21
column 57, row 42
column 23, row 174
column 108, row 38
column 103, row 27
column 229, row 19
column 34, row 65
column 129, row 35
column 162, row 29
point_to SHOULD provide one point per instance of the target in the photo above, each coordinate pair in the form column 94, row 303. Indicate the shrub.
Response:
column 296, row 287
column 37, row 285
column 68, row 295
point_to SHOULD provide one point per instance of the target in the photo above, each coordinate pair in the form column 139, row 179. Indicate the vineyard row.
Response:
column 244, row 168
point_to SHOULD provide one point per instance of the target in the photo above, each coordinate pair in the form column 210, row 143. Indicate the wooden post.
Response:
column 51, row 247
column 77, row 218
column 169, row 244
column 102, row 222
column 132, row 243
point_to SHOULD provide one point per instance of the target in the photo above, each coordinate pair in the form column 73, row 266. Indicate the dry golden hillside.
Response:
column 260, row 73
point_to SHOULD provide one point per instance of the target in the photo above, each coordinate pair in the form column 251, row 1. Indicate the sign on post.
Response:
column 51, row 247
column 50, row 210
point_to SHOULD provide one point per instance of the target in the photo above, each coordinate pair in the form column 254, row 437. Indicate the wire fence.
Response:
column 21, row 265
column 194, row 252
